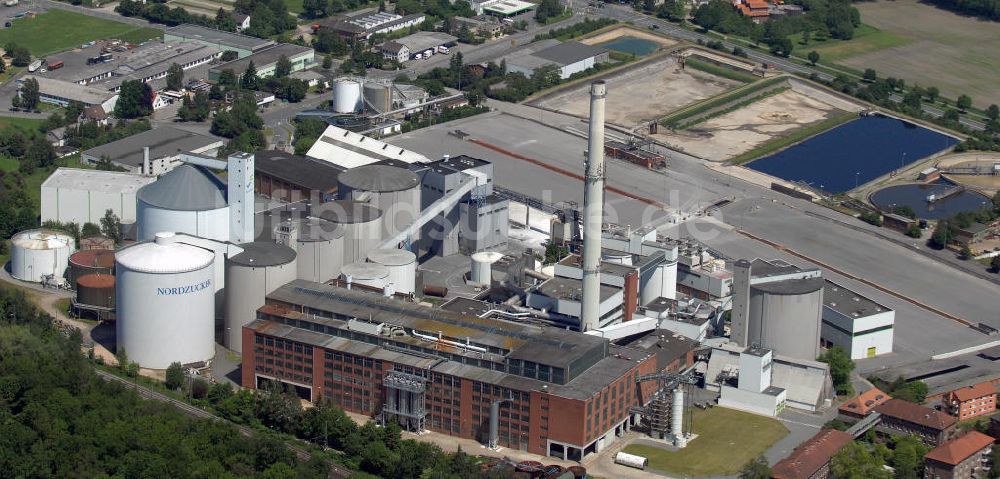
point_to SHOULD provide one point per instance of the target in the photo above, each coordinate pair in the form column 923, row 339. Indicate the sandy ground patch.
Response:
column 644, row 93
column 957, row 54
column 627, row 32
column 742, row 130
column 988, row 184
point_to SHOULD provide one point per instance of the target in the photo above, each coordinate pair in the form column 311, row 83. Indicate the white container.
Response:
column 346, row 96
column 631, row 460
column 482, row 267
column 38, row 253
column 402, row 266
column 366, row 274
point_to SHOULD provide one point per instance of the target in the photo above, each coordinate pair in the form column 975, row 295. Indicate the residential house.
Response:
column 862, row 405
column 901, row 417
column 967, row 457
column 971, row 401
column 811, row 460
column 242, row 22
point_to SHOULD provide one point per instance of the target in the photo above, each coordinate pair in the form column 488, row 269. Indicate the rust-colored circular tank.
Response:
column 93, row 261
column 96, row 290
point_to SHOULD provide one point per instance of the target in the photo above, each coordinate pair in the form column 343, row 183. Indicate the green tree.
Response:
column 855, row 461
column 283, row 68
column 175, row 77
column 174, row 376
column 870, row 75
column 913, row 391
column 555, row 252
column 111, row 226
column 133, row 101
column 756, row 469
column 964, row 102
column 227, row 78
column 995, row 264
column 942, row 235
column 29, row 94
column 813, row 57
column 327, row 61
column 90, row 229
column 841, row 366
column 965, row 253
column 914, row 231
column 993, row 112
column 20, row 56
column 907, row 457
column 932, row 94
column 249, row 78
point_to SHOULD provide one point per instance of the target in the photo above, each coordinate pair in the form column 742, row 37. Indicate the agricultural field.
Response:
column 957, row 54
column 642, row 93
column 203, row 7
column 866, row 39
column 727, row 439
column 59, row 30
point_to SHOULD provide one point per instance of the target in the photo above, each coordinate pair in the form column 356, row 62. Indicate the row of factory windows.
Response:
column 281, row 374
column 278, row 343
column 347, row 390
column 533, row 370
column 290, row 365
column 279, row 354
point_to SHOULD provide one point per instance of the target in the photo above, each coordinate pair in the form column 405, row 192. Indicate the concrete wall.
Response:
column 80, row 206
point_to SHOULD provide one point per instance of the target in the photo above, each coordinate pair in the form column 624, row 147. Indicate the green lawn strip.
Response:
column 720, row 100
column 720, row 71
column 24, row 124
column 727, row 439
column 733, row 107
column 60, row 30
column 866, row 39
column 793, row 138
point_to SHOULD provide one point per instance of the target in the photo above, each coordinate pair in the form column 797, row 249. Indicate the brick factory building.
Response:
column 548, row 391
column 964, row 458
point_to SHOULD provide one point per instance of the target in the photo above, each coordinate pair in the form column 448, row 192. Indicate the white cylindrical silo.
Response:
column 165, row 302
column 366, row 274
column 677, row 417
column 35, row 254
column 395, row 191
column 346, row 95
column 320, row 247
column 402, row 266
column 482, row 266
column 651, row 284
column 189, row 199
column 617, row 257
column 260, row 269
column 362, row 225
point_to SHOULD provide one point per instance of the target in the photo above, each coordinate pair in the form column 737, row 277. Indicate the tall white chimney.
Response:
column 593, row 210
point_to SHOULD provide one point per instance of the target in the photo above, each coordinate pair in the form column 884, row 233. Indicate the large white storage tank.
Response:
column 362, row 225
column 395, row 191
column 165, row 302
column 320, row 247
column 402, row 266
column 250, row 276
column 189, row 199
column 38, row 253
column 482, row 266
column 372, row 275
column 346, row 95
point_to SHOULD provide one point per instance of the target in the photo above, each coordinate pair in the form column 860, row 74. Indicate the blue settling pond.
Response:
column 636, row 46
column 915, row 196
column 853, row 153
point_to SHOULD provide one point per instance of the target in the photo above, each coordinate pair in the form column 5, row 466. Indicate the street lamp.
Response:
column 856, row 175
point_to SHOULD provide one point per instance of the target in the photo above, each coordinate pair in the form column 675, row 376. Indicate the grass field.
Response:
column 294, row 6
column 59, row 30
column 720, row 71
column 727, row 439
column 866, row 39
column 25, row 124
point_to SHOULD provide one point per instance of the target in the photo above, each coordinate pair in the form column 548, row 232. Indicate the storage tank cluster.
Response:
column 395, row 191
column 401, row 266
column 260, row 269
column 165, row 302
column 373, row 275
column 188, row 199
column 361, row 222
column 319, row 245
column 96, row 289
column 93, row 261
column 36, row 254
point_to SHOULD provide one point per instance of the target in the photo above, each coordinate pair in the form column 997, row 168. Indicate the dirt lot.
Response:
column 734, row 133
column 988, row 184
column 627, row 32
column 957, row 54
column 641, row 94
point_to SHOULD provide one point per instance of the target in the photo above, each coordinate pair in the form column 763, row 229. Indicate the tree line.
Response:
column 988, row 9
column 267, row 17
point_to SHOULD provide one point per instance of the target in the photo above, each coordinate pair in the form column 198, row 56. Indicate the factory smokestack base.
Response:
column 593, row 210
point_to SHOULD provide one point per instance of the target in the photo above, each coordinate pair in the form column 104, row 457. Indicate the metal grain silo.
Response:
column 165, row 302
column 395, row 191
column 90, row 261
column 96, row 289
column 346, row 95
column 402, row 266
column 378, row 95
column 362, row 225
column 251, row 275
column 189, row 199
column 366, row 274
column 35, row 254
column 320, row 247
column 785, row 316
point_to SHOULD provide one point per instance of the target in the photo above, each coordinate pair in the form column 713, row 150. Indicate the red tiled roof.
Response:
column 810, row 457
column 955, row 451
column 755, row 4
column 916, row 414
column 743, row 9
column 974, row 392
column 865, row 402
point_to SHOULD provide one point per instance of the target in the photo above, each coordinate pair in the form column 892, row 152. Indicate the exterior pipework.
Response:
column 593, row 210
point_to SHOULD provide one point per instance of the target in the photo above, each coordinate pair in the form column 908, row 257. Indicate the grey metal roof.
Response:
column 71, row 91
column 263, row 253
column 378, row 178
column 185, row 188
column 791, row 286
column 571, row 289
column 849, row 303
column 263, row 58
column 421, row 41
column 346, row 212
column 162, row 141
column 235, row 40
column 298, row 170
column 569, row 52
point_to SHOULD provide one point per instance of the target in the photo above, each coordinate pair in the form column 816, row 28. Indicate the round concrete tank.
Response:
column 165, row 302
column 482, row 266
column 395, row 191
column 346, row 95
column 785, row 316
column 35, row 254
column 617, row 257
column 378, row 96
column 90, row 261
column 366, row 274
column 188, row 199
column 250, row 276
column 320, row 247
column 96, row 289
column 362, row 225
column 402, row 266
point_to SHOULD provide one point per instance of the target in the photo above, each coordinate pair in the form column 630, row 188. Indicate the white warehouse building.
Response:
column 83, row 196
column 857, row 324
